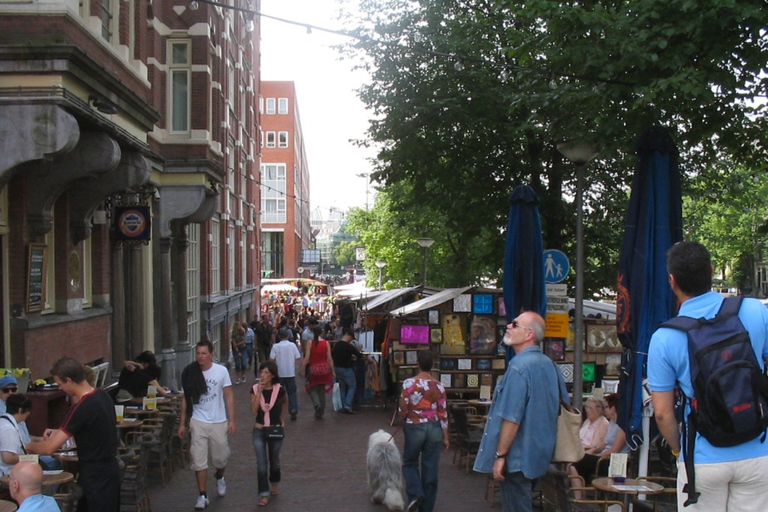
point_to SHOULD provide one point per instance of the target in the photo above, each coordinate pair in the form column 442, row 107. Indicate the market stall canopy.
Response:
column 356, row 289
column 274, row 288
column 387, row 296
column 430, row 302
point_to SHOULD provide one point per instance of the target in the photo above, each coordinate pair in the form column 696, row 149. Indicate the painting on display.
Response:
column 436, row 335
column 602, row 338
column 414, row 334
column 482, row 304
column 482, row 335
column 453, row 335
column 434, row 317
column 463, row 303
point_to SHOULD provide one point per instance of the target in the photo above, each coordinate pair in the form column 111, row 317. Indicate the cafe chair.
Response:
column 467, row 437
column 67, row 496
column 557, row 495
column 666, row 501
column 161, row 447
column 133, row 488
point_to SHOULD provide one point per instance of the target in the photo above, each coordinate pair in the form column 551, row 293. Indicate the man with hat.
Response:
column 8, row 386
column 285, row 353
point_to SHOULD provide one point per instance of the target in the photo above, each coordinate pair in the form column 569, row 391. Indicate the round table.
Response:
column 479, row 403
column 57, row 479
column 7, row 506
column 139, row 412
column 129, row 424
column 627, row 488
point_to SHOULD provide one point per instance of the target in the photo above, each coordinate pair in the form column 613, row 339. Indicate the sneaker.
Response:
column 202, row 502
column 293, row 415
column 221, row 486
column 414, row 505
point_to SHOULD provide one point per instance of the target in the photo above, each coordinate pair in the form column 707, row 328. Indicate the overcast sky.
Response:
column 331, row 114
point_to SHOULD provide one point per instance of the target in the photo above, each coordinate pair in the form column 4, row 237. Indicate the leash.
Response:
column 395, row 432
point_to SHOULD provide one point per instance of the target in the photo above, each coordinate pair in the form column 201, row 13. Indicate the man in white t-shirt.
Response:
column 208, row 387
column 285, row 353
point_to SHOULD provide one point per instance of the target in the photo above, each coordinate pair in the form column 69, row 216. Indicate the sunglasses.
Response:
column 516, row 324
column 10, row 390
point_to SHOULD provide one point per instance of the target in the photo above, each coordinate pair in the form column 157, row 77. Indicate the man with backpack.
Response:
column 706, row 352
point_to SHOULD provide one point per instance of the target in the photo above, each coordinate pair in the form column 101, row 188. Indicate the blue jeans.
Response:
column 289, row 384
column 347, row 386
column 267, row 456
column 516, row 492
column 248, row 355
column 425, row 440
column 241, row 359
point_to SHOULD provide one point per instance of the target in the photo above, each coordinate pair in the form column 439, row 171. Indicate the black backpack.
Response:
column 730, row 402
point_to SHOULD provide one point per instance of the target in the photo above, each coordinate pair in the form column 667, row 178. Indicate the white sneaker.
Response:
column 222, row 486
column 202, row 502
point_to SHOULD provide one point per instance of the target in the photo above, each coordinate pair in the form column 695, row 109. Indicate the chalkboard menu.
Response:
column 36, row 277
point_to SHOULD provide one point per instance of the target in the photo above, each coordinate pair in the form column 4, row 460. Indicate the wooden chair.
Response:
column 558, row 495
column 133, row 488
column 467, row 437
column 67, row 496
column 666, row 501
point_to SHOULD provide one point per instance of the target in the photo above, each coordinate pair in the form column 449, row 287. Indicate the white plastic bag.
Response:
column 336, row 397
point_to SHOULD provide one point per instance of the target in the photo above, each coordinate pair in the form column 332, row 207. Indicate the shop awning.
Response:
column 430, row 302
column 387, row 296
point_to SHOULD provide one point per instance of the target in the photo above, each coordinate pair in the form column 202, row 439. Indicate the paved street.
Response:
column 323, row 468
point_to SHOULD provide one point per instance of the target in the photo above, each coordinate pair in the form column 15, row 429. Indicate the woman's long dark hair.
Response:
column 148, row 357
column 316, row 331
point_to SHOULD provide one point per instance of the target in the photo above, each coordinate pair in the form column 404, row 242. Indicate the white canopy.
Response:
column 429, row 302
column 271, row 288
column 387, row 296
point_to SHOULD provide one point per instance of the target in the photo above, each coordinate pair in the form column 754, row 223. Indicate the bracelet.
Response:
column 675, row 453
column 501, row 455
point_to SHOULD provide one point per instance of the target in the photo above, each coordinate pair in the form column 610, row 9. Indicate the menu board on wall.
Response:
column 36, row 277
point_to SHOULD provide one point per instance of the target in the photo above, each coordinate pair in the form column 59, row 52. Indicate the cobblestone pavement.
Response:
column 323, row 467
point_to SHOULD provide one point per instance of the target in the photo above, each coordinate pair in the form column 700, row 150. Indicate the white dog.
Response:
column 385, row 471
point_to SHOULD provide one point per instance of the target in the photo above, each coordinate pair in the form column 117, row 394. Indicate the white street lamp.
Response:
column 381, row 265
column 367, row 177
column 425, row 243
column 579, row 155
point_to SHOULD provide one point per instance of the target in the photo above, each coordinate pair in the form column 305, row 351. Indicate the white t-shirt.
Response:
column 10, row 441
column 285, row 355
column 212, row 407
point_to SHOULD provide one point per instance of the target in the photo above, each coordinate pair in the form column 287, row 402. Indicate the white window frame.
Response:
column 179, row 71
column 231, row 255
column 271, row 140
column 193, row 283
column 282, row 139
column 50, row 271
column 215, row 256
column 271, row 107
column 282, row 106
column 273, row 193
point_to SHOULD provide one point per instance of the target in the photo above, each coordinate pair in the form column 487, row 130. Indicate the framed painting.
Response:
column 447, row 364
column 399, row 357
column 555, row 349
column 411, row 357
column 482, row 304
column 433, row 316
column 602, row 338
column 463, row 303
column 436, row 335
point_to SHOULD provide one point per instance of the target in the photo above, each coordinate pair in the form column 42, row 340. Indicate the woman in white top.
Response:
column 12, row 438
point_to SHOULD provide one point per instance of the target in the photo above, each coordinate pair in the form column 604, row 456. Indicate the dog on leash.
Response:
column 385, row 471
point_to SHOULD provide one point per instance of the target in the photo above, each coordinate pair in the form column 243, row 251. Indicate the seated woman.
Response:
column 136, row 376
column 615, row 441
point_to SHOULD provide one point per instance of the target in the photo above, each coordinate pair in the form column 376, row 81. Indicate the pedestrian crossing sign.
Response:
column 556, row 266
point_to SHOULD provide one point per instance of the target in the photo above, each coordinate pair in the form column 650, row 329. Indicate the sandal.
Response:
column 263, row 501
column 275, row 491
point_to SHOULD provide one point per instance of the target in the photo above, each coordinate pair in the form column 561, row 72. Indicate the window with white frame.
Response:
column 270, row 105
column 282, row 105
column 231, row 243
column 282, row 139
column 179, row 71
column 109, row 11
column 243, row 258
column 231, row 98
column 49, row 306
column 193, row 283
column 215, row 257
column 230, row 196
column 272, row 263
column 261, row 105
column 271, row 140
column 273, row 188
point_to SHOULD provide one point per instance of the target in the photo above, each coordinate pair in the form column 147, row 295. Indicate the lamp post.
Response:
column 425, row 243
column 381, row 265
column 367, row 177
column 579, row 155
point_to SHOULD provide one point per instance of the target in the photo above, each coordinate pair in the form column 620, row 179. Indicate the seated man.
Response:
column 25, row 485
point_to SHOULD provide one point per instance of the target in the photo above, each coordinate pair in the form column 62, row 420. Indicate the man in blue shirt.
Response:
column 728, row 478
column 519, row 437
column 25, row 484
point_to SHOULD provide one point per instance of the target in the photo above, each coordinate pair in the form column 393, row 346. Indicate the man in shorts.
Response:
column 209, row 407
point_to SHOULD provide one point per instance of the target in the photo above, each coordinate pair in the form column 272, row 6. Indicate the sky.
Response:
column 330, row 112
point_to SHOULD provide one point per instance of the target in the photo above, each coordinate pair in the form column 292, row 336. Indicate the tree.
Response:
column 344, row 253
column 469, row 98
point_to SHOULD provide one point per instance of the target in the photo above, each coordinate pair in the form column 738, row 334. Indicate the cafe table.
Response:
column 7, row 506
column 49, row 478
column 629, row 487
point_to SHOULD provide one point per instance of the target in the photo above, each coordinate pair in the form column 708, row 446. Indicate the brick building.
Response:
column 128, row 197
column 285, row 221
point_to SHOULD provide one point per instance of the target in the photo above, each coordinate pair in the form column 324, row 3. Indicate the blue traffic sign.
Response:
column 556, row 266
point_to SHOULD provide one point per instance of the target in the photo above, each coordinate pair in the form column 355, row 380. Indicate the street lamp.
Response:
column 367, row 177
column 381, row 265
column 425, row 243
column 579, row 155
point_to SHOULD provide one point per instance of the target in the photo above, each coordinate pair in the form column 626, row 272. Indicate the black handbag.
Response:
column 273, row 432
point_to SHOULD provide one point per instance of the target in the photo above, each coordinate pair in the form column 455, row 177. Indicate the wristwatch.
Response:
column 501, row 455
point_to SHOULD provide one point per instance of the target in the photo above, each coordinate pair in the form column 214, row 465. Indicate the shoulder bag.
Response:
column 568, row 447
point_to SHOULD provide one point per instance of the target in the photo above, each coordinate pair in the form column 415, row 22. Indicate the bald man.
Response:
column 520, row 433
column 25, row 483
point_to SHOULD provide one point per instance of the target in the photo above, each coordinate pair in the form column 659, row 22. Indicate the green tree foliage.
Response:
column 344, row 253
column 468, row 99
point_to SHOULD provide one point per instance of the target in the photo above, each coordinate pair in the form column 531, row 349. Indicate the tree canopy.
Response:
column 469, row 98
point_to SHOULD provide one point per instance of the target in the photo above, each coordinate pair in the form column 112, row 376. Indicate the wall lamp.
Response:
column 102, row 106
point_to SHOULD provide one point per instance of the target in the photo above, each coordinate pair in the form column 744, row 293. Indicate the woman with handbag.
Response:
column 319, row 362
column 269, row 402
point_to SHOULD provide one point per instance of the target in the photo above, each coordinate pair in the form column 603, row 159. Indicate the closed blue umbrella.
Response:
column 524, row 288
column 645, row 300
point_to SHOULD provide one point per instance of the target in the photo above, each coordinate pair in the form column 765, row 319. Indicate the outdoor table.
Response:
column 128, row 424
column 627, row 488
column 130, row 411
column 480, row 403
column 7, row 506
column 58, row 478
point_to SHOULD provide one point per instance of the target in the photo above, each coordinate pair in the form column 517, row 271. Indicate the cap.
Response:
column 8, row 379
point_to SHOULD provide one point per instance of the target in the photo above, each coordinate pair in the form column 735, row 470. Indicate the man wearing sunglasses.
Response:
column 520, row 433
column 8, row 386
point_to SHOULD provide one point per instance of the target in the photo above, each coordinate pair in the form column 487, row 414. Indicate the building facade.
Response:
column 128, row 196
column 285, row 221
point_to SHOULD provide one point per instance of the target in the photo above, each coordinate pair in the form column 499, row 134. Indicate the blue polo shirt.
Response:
column 39, row 503
column 528, row 394
column 668, row 365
